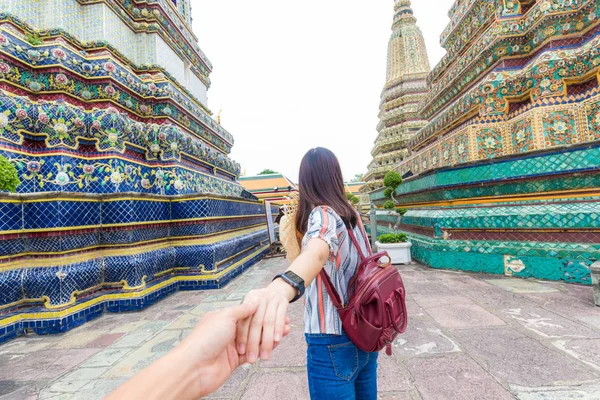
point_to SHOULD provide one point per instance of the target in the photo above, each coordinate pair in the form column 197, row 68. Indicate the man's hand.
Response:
column 212, row 346
column 199, row 365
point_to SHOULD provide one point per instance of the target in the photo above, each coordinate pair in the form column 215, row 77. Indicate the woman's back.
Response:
column 320, row 316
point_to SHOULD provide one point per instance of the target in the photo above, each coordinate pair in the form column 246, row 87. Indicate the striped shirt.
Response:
column 320, row 315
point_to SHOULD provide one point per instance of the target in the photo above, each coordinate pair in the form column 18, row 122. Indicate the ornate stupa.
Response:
column 127, row 189
column 405, row 87
column 505, row 176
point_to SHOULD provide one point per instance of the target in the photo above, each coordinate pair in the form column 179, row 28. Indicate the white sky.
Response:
column 293, row 75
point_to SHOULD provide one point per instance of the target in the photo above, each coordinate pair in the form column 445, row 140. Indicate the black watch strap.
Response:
column 294, row 281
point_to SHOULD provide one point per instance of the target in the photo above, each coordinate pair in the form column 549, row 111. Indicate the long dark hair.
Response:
column 322, row 184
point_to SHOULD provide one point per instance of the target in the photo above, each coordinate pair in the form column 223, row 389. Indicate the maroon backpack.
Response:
column 376, row 311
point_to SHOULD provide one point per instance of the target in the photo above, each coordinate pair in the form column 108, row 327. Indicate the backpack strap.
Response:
column 333, row 294
column 360, row 253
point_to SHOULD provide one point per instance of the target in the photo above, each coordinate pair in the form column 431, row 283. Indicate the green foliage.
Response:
column 352, row 198
column 34, row 39
column 387, row 193
column 401, row 211
column 392, row 180
column 392, row 238
column 9, row 178
column 267, row 172
column 389, row 205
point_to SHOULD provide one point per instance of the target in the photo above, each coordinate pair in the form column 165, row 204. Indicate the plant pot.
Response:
column 595, row 269
column 399, row 252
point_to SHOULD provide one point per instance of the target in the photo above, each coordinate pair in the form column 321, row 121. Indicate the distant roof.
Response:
column 261, row 183
column 354, row 187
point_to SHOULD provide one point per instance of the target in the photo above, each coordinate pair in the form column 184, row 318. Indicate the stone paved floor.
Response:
column 470, row 336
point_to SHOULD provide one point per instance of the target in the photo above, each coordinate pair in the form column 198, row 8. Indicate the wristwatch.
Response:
column 294, row 281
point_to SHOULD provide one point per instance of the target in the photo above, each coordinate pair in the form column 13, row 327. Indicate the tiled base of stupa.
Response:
column 536, row 216
column 113, row 253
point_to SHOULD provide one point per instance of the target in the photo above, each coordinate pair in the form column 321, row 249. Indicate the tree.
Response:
column 9, row 178
column 392, row 181
column 352, row 198
column 267, row 172
column 357, row 178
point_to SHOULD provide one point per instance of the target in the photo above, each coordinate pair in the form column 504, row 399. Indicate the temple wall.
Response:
column 99, row 22
column 127, row 191
column 505, row 177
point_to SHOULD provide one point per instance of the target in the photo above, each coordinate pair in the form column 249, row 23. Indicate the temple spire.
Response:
column 403, row 12
column 407, row 69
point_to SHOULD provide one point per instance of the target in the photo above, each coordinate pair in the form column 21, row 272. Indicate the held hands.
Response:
column 212, row 344
column 259, row 335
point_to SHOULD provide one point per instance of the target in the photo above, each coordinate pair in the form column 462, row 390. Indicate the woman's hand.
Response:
column 258, row 335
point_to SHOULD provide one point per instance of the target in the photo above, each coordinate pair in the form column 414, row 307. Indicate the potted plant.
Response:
column 9, row 178
column 397, row 246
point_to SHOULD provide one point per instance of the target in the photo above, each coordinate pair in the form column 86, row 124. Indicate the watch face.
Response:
column 295, row 278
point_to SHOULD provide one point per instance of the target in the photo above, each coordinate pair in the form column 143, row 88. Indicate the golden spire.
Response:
column 219, row 116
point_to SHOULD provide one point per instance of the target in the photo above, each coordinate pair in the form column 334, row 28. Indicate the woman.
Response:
column 337, row 369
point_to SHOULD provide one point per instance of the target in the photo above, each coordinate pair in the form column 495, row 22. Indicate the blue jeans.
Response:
column 338, row 370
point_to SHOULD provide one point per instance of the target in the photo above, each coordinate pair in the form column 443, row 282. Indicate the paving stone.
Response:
column 423, row 338
column 66, row 386
column 392, row 376
column 428, row 288
column 412, row 395
column 46, row 394
column 145, row 355
column 25, row 391
column 97, row 390
column 43, row 365
column 77, row 339
column 290, row 353
column 415, row 311
column 585, row 350
column 454, row 377
column 26, row 345
column 127, row 327
column 7, row 387
column 463, row 316
column 584, row 392
column 185, row 321
column 430, row 301
column 516, row 359
column 84, row 374
column 522, row 285
column 105, row 340
column 547, row 325
column 493, row 298
column 168, row 316
column 592, row 321
column 202, row 309
column 271, row 385
column 106, row 357
column 133, row 339
column 234, row 384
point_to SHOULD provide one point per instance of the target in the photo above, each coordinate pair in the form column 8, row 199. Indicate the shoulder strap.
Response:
column 333, row 294
column 360, row 253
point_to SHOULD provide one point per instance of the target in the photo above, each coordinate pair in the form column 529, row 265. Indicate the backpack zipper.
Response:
column 370, row 281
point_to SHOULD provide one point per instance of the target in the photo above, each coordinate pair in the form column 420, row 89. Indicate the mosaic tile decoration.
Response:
column 568, row 262
column 128, row 193
column 42, row 321
column 569, row 161
column 505, row 177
